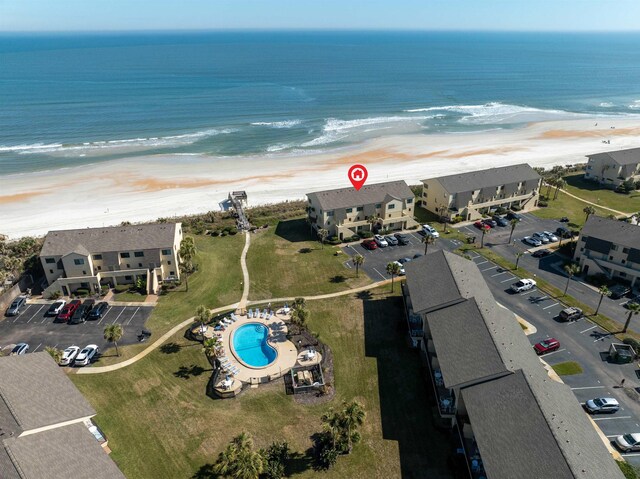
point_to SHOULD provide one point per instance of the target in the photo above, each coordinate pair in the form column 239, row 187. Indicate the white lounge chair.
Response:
column 256, row 313
column 262, row 314
column 250, row 313
column 234, row 317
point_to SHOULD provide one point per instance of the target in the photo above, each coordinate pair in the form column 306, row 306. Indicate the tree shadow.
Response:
column 338, row 279
column 363, row 295
column 170, row 348
column 299, row 462
column 205, row 472
column 305, row 250
column 407, row 401
column 186, row 372
column 294, row 231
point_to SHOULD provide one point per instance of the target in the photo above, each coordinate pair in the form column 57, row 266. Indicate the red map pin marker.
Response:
column 358, row 175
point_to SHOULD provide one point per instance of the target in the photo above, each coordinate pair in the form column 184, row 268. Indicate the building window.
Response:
column 78, row 261
column 139, row 254
column 50, row 260
column 99, row 268
column 139, row 265
column 359, row 208
column 329, row 213
column 625, row 250
column 379, row 205
column 125, row 255
column 128, row 265
column 581, row 250
column 84, row 272
column 624, row 261
column 610, row 257
column 614, row 247
column 97, row 257
column 409, row 201
column 349, row 210
column 623, row 275
column 169, row 263
column 51, row 271
column 172, row 273
column 128, row 278
column 391, row 206
column 84, row 285
column 166, row 252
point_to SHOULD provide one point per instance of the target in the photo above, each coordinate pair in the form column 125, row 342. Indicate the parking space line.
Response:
column 105, row 314
column 133, row 315
column 588, row 329
column 610, row 418
column 483, row 262
column 36, row 348
column 551, row 306
column 509, row 279
column 20, row 315
column 118, row 317
column 347, row 264
column 36, row 313
column 498, row 274
column 588, row 387
column 383, row 277
column 529, row 292
column 554, row 352
column 487, row 269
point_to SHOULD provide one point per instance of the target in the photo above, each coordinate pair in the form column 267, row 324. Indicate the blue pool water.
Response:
column 250, row 345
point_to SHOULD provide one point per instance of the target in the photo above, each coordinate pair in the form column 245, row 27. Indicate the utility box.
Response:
column 621, row 353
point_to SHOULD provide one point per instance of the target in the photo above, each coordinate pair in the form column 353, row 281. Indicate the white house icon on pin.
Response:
column 357, row 174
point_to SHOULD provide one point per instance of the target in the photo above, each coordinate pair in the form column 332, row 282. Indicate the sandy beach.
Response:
column 146, row 188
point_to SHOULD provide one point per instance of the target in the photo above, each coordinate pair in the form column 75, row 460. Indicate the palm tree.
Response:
column 604, row 291
column 514, row 222
column 393, row 269
column 55, row 353
column 485, row 231
column 560, row 185
column 322, row 234
column 571, row 270
column 373, row 220
column 551, row 181
column 588, row 210
column 427, row 240
column 239, row 460
column 358, row 260
column 353, row 416
column 331, row 422
column 210, row 348
column 518, row 256
column 634, row 308
column 299, row 316
column 203, row 315
column 113, row 333
column 187, row 253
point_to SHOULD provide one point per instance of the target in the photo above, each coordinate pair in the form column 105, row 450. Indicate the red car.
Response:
column 546, row 346
column 480, row 225
column 369, row 244
column 68, row 310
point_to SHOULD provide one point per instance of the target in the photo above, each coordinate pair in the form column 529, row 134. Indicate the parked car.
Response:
column 563, row 232
column 500, row 220
column 479, row 224
column 380, row 241
column 570, row 314
column 619, row 291
column 369, row 244
column 391, row 240
column 98, row 310
column 404, row 260
column 18, row 349
column 15, row 306
column 68, row 310
column 628, row 442
column 602, row 405
column 546, row 346
column 541, row 253
column 56, row 308
column 430, row 230
column 80, row 315
column 513, row 216
column 87, row 355
column 523, row 285
column 540, row 237
column 402, row 238
column 89, row 302
column 402, row 272
column 490, row 223
column 69, row 355
column 553, row 238
column 530, row 240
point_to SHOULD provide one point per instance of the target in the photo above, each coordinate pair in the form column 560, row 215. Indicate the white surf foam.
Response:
column 278, row 124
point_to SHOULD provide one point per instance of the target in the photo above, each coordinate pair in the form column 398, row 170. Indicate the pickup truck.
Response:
column 523, row 285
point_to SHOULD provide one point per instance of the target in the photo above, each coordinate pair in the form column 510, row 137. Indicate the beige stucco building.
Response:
column 471, row 194
column 344, row 212
column 610, row 247
column 91, row 257
column 613, row 168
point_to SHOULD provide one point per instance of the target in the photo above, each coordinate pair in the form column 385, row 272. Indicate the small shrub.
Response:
column 121, row 288
column 515, row 208
column 543, row 203
column 224, row 233
column 233, row 231
column 55, row 295
column 355, row 238
column 215, row 233
column 365, row 234
column 82, row 291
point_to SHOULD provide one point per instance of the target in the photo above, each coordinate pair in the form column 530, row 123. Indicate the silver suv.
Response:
column 570, row 314
column 16, row 306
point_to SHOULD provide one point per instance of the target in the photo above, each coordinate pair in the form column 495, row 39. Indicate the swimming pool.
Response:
column 251, row 347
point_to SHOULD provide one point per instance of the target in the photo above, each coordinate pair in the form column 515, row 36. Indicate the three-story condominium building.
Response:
column 344, row 212
column 610, row 247
column 470, row 195
column 613, row 168
column 91, row 257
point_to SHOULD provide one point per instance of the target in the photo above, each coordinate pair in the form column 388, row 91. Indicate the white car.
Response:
column 523, row 285
column 430, row 230
column 540, row 237
column 19, row 349
column 628, row 442
column 530, row 240
column 87, row 355
column 553, row 238
column 380, row 241
column 69, row 355
column 402, row 273
column 55, row 308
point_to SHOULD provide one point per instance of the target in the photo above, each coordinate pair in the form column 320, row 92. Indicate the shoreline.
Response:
column 149, row 187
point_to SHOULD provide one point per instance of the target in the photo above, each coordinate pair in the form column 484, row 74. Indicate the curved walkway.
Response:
column 619, row 213
column 245, row 272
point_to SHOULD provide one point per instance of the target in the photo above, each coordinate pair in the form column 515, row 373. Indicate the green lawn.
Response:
column 590, row 191
column 160, row 423
column 127, row 296
column 567, row 368
column 283, row 261
column 567, row 206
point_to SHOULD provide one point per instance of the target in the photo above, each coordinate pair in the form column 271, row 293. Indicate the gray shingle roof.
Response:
column 38, row 393
column 492, row 177
column 630, row 156
column 614, row 231
column 511, row 431
column 113, row 238
column 465, row 347
column 64, row 452
column 350, row 197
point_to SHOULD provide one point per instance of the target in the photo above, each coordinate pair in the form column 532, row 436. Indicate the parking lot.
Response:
column 31, row 326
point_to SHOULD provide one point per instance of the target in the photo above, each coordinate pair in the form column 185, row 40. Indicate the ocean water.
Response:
column 67, row 100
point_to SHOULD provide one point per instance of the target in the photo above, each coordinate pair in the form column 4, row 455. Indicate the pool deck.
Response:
column 287, row 352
